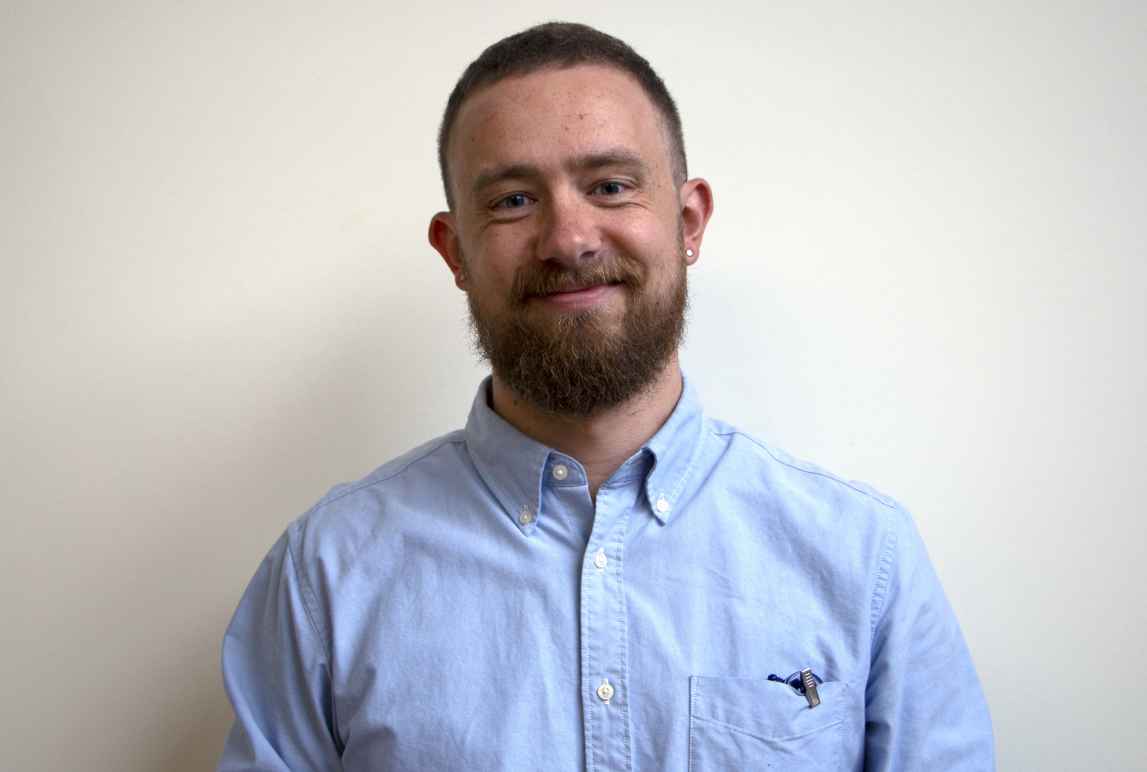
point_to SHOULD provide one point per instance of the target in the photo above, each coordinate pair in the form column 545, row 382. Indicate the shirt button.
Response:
column 526, row 516
column 600, row 560
column 560, row 471
column 605, row 691
column 663, row 505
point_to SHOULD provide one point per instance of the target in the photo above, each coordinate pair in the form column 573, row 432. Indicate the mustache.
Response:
column 545, row 278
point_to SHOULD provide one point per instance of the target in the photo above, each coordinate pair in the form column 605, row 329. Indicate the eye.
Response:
column 512, row 201
column 610, row 188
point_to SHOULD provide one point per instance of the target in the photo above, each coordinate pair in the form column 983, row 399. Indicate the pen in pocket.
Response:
column 803, row 681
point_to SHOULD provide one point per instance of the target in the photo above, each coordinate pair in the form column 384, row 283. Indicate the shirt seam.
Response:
column 369, row 481
column 883, row 579
column 817, row 473
column 762, row 738
column 310, row 601
column 310, row 609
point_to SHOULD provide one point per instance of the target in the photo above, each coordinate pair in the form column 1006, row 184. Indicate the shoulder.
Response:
column 352, row 513
column 415, row 464
column 792, row 486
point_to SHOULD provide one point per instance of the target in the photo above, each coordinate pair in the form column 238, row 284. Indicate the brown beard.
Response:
column 571, row 364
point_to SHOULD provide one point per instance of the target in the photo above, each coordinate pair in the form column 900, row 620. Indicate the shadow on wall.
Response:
column 302, row 427
column 265, row 429
column 204, row 718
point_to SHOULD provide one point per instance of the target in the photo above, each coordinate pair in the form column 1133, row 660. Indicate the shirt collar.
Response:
column 674, row 447
column 513, row 465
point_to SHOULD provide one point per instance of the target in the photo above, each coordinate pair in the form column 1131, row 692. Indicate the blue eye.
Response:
column 512, row 201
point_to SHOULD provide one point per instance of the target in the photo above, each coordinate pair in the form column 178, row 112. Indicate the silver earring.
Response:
column 688, row 253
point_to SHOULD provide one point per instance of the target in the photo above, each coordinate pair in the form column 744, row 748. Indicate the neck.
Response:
column 604, row 441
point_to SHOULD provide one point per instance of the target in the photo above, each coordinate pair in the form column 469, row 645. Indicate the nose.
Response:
column 569, row 231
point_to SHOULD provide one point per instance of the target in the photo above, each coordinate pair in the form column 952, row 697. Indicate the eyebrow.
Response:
column 617, row 157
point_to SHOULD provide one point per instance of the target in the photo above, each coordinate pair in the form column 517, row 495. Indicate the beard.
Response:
column 579, row 364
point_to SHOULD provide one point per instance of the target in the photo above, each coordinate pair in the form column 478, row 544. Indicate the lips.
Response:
column 581, row 288
column 578, row 298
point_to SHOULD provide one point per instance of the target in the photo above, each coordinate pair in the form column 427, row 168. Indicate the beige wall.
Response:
column 926, row 270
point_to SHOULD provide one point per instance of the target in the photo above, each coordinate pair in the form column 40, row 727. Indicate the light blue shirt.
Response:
column 468, row 606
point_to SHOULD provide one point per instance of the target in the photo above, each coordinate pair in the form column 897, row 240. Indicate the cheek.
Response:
column 653, row 241
column 494, row 264
column 506, row 242
column 638, row 233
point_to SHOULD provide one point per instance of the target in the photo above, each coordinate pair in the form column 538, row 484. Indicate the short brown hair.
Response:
column 559, row 45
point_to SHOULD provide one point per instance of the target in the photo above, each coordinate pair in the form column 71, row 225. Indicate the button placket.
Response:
column 604, row 639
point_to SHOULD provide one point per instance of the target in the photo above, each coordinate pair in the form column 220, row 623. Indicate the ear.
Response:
column 696, row 199
column 443, row 236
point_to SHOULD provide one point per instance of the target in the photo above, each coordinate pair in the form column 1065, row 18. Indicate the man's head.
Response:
column 559, row 45
column 571, row 223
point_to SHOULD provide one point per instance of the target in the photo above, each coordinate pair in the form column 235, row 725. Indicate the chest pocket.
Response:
column 755, row 724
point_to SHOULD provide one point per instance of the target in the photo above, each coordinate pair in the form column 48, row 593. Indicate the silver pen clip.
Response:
column 809, row 684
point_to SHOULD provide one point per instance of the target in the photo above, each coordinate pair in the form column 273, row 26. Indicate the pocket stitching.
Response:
column 835, row 706
column 739, row 730
column 692, row 716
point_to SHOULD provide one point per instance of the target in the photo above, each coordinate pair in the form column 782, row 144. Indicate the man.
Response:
column 592, row 574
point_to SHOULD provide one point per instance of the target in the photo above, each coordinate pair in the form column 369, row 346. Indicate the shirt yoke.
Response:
column 393, row 468
column 349, row 515
column 799, row 467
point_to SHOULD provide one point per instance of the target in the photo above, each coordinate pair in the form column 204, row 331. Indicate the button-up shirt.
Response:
column 471, row 606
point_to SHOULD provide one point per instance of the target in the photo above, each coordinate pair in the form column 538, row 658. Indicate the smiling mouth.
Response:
column 578, row 298
column 577, row 290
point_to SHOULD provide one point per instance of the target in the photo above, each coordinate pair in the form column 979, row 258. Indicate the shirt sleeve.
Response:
column 277, row 675
column 924, row 705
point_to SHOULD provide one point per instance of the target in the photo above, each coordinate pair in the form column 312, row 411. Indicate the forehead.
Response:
column 554, row 114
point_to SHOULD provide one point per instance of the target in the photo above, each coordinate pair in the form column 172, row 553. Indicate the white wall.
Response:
column 926, row 270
